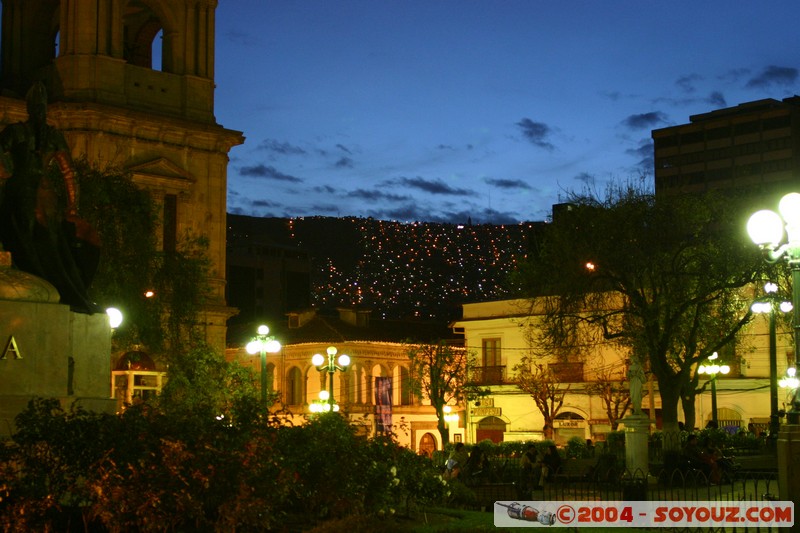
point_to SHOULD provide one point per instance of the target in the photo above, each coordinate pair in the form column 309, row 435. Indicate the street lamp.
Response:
column 263, row 343
column 322, row 405
column 449, row 417
column 766, row 229
column 769, row 305
column 114, row 317
column 330, row 366
column 712, row 369
column 790, row 381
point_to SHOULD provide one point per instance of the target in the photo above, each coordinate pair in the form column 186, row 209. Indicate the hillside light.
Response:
column 263, row 344
column 712, row 368
column 769, row 305
column 766, row 228
column 329, row 364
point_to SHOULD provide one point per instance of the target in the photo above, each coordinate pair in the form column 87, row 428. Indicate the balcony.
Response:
column 489, row 375
column 567, row 372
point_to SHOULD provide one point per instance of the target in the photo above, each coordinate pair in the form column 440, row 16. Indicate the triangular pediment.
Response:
column 161, row 171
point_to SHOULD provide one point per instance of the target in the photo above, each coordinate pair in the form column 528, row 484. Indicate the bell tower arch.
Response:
column 96, row 59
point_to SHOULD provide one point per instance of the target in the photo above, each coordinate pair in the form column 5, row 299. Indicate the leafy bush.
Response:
column 155, row 468
column 576, row 447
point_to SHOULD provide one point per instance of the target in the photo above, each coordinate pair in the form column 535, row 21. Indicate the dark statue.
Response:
column 39, row 224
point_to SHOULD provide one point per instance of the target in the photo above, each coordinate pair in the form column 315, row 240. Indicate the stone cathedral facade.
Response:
column 119, row 105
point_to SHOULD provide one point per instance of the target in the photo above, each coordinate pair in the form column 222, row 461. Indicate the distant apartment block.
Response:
column 753, row 146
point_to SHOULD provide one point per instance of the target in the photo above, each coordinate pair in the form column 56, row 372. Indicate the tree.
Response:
column 131, row 263
column 440, row 373
column 663, row 278
column 541, row 383
column 613, row 393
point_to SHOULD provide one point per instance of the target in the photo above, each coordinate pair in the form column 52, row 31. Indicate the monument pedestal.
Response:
column 48, row 351
column 637, row 432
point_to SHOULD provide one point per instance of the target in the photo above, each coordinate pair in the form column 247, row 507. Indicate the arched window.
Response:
column 403, row 386
column 145, row 42
column 492, row 428
column 294, row 387
column 427, row 445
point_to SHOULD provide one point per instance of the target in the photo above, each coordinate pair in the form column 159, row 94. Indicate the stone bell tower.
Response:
column 131, row 84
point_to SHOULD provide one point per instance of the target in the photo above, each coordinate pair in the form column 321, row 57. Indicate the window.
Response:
column 491, row 352
column 169, row 225
column 294, row 389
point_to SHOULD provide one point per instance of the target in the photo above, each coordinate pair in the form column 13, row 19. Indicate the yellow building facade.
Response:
column 498, row 333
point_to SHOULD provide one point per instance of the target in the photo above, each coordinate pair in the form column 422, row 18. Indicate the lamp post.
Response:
column 766, row 229
column 263, row 344
column 330, row 366
column 712, row 369
column 769, row 305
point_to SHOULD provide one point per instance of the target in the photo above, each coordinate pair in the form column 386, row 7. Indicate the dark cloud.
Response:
column 507, row 184
column 284, row 148
column 644, row 152
column 264, row 203
column 316, row 209
column 585, row 178
column 376, row 195
column 344, row 149
column 444, row 147
column 263, row 171
column 686, row 83
column 479, row 216
column 716, row 99
column 645, row 120
column 536, row 133
column 415, row 212
column 734, row 75
column 773, row 75
column 432, row 186
column 344, row 162
column 324, row 189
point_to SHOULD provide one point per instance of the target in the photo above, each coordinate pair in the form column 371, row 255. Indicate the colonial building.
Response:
column 499, row 333
column 374, row 390
column 118, row 104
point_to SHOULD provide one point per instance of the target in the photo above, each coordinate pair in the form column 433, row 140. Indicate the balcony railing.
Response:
column 567, row 372
column 489, row 375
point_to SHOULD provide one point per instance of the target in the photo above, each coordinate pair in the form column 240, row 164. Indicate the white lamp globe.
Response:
column 789, row 208
column 344, row 360
column 263, row 330
column 273, row 346
column 317, row 359
column 114, row 317
column 253, row 347
column 765, row 227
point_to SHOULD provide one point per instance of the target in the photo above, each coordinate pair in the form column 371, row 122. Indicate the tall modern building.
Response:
column 753, row 146
column 131, row 84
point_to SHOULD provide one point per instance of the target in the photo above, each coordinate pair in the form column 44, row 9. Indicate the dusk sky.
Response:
column 442, row 111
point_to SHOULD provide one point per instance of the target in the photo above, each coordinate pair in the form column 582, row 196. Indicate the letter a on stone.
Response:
column 11, row 347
